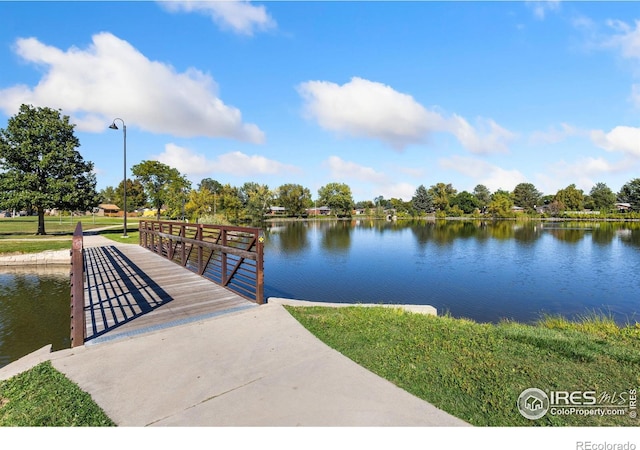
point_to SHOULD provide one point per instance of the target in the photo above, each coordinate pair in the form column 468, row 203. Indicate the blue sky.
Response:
column 383, row 96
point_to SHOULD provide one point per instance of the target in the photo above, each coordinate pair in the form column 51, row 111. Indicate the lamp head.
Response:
column 113, row 126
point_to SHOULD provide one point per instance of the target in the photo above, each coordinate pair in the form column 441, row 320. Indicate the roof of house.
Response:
column 108, row 206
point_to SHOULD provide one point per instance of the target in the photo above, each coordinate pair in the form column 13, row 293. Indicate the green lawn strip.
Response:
column 477, row 371
column 8, row 247
column 42, row 396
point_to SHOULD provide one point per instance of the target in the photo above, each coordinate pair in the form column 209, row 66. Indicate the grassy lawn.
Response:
column 477, row 371
column 43, row 397
column 17, row 235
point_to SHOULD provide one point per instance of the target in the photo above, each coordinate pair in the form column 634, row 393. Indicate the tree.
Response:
column 422, row 201
column 483, row 194
column 157, row 179
column 259, row 198
column 215, row 187
column 602, row 197
column 177, row 197
column 500, row 204
column 294, row 198
column 136, row 198
column 108, row 195
column 571, row 198
column 526, row 196
column 630, row 193
column 336, row 196
column 466, row 201
column 200, row 203
column 40, row 167
column 441, row 194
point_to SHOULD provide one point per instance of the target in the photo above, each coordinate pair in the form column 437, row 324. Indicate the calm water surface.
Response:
column 34, row 311
column 481, row 270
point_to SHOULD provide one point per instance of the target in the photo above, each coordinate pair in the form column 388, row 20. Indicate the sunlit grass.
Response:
column 476, row 371
column 44, row 397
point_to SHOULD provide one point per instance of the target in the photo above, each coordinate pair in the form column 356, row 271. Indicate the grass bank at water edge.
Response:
column 478, row 371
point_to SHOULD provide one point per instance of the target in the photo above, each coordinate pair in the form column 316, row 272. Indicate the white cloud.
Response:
column 369, row 109
column 620, row 139
column 626, row 39
column 404, row 191
column 347, row 170
column 584, row 173
column 235, row 163
column 482, row 172
column 238, row 15
column 112, row 79
column 540, row 8
column 553, row 135
column 491, row 138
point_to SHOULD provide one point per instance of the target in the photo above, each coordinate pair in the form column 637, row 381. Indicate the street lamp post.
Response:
column 113, row 126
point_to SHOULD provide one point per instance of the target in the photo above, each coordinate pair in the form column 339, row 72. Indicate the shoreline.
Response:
column 45, row 258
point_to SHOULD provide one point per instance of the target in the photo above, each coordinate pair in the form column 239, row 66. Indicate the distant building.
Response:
column 108, row 210
column 277, row 211
column 623, row 207
column 321, row 211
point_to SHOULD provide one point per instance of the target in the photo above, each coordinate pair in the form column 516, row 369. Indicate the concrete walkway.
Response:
column 258, row 367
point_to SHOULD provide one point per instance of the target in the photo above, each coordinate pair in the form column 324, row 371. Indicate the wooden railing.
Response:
column 78, row 318
column 232, row 257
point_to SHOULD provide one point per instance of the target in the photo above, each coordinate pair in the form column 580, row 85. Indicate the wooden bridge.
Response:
column 123, row 290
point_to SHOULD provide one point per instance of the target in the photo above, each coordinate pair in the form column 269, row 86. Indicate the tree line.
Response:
column 215, row 202
column 41, row 169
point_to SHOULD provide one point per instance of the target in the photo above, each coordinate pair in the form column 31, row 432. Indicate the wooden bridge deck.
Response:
column 130, row 290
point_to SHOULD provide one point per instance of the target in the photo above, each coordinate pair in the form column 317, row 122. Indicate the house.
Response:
column 321, row 211
column 623, row 207
column 277, row 211
column 108, row 210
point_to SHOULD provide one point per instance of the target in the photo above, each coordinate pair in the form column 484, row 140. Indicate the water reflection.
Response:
column 34, row 310
column 484, row 270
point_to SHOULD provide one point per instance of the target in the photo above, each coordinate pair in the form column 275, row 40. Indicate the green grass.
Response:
column 44, row 397
column 17, row 235
column 476, row 371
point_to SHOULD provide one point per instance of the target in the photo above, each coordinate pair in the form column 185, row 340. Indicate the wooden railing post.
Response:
column 78, row 318
column 224, row 257
column 260, row 268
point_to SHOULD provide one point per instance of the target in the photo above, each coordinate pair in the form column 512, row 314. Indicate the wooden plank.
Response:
column 130, row 289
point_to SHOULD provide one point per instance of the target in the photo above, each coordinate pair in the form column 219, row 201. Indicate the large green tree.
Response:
column 40, row 166
column 466, row 201
column 602, row 197
column 338, row 197
column 571, row 198
column 526, row 196
column 258, row 200
column 294, row 198
column 630, row 193
column 136, row 197
column 442, row 194
column 483, row 194
column 160, row 182
column 422, row 201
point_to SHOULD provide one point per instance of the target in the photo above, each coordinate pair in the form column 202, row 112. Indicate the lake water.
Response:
column 34, row 310
column 485, row 271
column 480, row 270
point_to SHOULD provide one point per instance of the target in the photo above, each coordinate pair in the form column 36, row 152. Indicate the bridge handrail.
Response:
column 78, row 317
column 185, row 244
